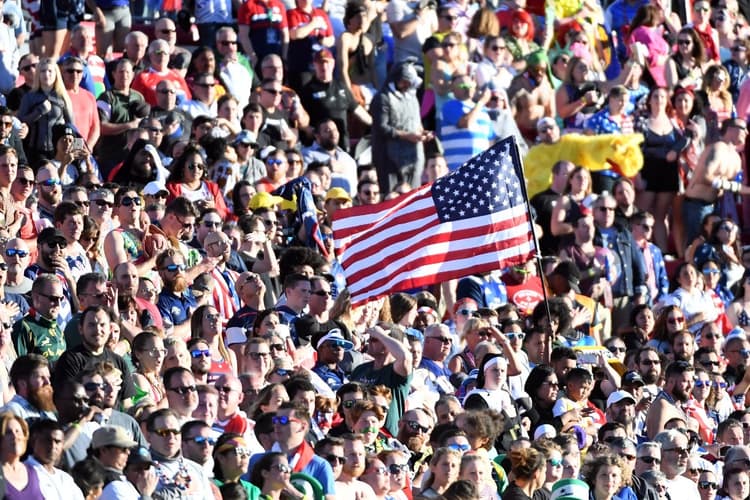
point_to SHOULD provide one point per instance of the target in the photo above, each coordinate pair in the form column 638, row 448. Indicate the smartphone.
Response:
column 79, row 144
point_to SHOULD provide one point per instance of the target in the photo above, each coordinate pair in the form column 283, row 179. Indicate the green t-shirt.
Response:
column 253, row 492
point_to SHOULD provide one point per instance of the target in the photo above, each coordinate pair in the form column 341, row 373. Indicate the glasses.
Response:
column 205, row 85
column 165, row 433
column 283, row 468
column 709, row 272
column 442, row 340
column 269, row 223
column 650, row 460
column 93, row 386
column 182, row 391
column 416, row 427
column 278, row 347
column 282, row 372
column 616, row 349
column 675, row 321
column 104, row 204
column 710, row 363
column 74, row 71
column 606, row 209
column 349, row 404
column 24, row 181
column 211, row 223
column 719, row 385
column 284, row 420
column 272, row 91
column 513, row 336
column 156, row 352
column 127, row 201
column 701, row 9
column 468, row 312
column 380, row 471
column 274, row 161
column 650, row 362
column 200, row 353
column 202, row 440
column 497, row 48
column 465, row 86
column 555, row 462
column 551, row 384
column 257, row 355
column 225, row 389
column 708, row 485
column 174, row 268
column 449, row 18
column 322, row 293
column 463, row 448
column 684, row 42
column 50, row 182
column 335, row 460
column 53, row 299
column 679, row 451
column 84, row 203
column 10, row 252
column 196, row 166
column 228, row 42
column 702, row 383
column 167, row 91
column 28, row 67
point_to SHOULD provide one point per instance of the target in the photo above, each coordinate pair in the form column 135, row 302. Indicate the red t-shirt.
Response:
column 298, row 17
column 85, row 112
column 145, row 82
column 525, row 296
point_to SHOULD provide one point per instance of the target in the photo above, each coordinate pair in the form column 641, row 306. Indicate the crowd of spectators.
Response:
column 167, row 331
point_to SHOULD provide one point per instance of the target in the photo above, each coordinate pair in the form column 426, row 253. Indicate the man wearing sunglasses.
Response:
column 178, row 478
column 675, row 451
column 49, row 190
column 176, row 301
column 39, row 332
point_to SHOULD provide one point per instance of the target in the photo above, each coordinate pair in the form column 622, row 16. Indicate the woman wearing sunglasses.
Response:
column 188, row 179
column 475, row 331
column 231, row 459
column 272, row 475
column 206, row 324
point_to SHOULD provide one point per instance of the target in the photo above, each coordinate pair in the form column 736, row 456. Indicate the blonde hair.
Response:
column 58, row 87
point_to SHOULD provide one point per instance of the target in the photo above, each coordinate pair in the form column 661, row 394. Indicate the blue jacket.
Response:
column 632, row 280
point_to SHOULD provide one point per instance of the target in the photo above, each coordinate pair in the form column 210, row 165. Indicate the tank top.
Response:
column 31, row 491
column 218, row 368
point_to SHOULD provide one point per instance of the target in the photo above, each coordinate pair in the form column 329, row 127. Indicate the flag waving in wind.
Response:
column 473, row 220
column 300, row 189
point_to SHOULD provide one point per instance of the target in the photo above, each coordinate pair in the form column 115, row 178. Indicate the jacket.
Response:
column 632, row 280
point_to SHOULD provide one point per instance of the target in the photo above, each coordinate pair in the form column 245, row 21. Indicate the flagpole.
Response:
column 537, row 257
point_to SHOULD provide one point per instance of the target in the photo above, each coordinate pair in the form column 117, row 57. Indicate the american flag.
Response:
column 473, row 220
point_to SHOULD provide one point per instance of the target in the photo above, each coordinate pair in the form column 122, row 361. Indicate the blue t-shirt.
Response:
column 176, row 310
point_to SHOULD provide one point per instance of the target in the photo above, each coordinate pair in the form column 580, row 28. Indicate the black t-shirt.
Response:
column 544, row 203
column 329, row 100
column 513, row 492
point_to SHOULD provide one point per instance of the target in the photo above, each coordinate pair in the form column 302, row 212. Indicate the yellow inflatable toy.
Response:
column 619, row 152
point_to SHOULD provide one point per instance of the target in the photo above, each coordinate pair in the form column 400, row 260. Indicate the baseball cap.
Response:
column 111, row 435
column 154, row 188
column 544, row 430
column 51, row 235
column 61, row 130
column 322, row 55
column 140, row 456
column 337, row 193
column 618, row 396
column 632, row 378
column 263, row 199
column 336, row 337
column 545, row 122
column 569, row 489
column 246, row 137
column 569, row 271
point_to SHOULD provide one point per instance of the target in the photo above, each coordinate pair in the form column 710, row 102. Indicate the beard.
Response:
column 41, row 398
column 650, row 377
column 179, row 285
column 328, row 144
column 681, row 395
column 413, row 443
column 51, row 197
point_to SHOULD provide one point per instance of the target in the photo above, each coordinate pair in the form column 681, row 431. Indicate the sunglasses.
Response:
column 184, row 390
column 278, row 347
column 709, row 272
column 463, row 448
column 93, row 386
column 53, row 299
column 335, row 460
column 322, row 293
column 73, row 71
column 25, row 182
column 203, row 440
column 174, row 267
column 616, row 349
column 606, row 209
column 555, row 462
column 200, row 353
column 416, row 427
column 282, row 372
column 204, row 85
column 650, row 460
column 196, row 166
column 257, row 355
column 28, row 67
column 284, row 420
column 468, row 312
column 442, row 340
column 701, row 384
column 167, row 432
column 397, row 469
column 272, row 91
column 514, row 336
column 498, row 47
column 350, row 403
column 167, row 91
column 283, row 468
column 684, row 42
column 10, row 252
column 675, row 321
column 127, row 201
column 679, row 451
column 209, row 223
column 50, row 182
column 274, row 161
column 708, row 485
column 719, row 385
column 228, row 42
